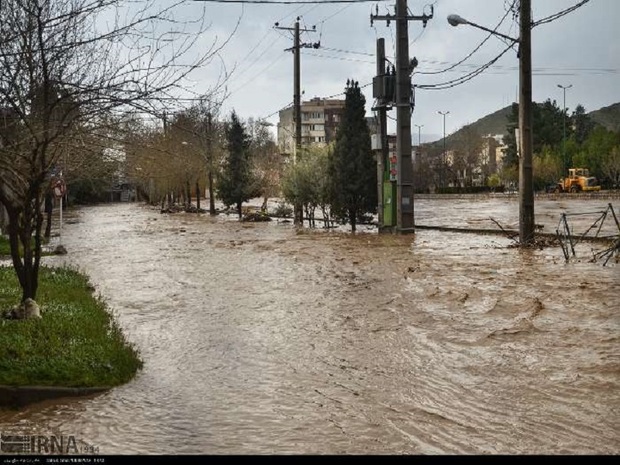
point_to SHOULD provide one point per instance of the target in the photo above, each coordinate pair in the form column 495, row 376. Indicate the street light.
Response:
column 456, row 20
column 419, row 126
column 564, row 128
column 443, row 158
column 526, row 178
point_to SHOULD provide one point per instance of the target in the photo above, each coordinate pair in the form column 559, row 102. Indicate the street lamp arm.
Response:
column 456, row 20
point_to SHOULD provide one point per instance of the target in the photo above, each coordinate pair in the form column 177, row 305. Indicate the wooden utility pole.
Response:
column 526, row 180
column 298, row 214
column 297, row 91
column 404, row 182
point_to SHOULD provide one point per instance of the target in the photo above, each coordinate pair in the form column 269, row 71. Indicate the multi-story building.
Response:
column 319, row 122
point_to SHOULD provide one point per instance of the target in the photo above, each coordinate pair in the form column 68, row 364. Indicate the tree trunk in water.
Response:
column 353, row 220
column 239, row 212
column 197, row 195
column 211, row 195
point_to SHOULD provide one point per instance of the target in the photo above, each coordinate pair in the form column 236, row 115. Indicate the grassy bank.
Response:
column 75, row 344
column 5, row 248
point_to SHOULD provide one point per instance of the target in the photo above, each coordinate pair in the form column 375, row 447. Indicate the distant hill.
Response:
column 608, row 117
column 495, row 123
column 492, row 124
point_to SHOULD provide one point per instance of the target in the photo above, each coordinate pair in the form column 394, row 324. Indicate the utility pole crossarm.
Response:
column 389, row 17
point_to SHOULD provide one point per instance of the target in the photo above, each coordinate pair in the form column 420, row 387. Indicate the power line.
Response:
column 347, row 51
column 466, row 77
column 473, row 51
column 559, row 14
column 291, row 2
column 339, row 58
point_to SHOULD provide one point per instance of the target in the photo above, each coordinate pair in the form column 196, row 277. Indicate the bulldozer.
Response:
column 578, row 180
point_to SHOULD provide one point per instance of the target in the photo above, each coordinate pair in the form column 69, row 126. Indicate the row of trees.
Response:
column 240, row 161
column 67, row 69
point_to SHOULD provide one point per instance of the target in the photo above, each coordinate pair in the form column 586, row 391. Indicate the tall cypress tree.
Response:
column 352, row 166
column 237, row 184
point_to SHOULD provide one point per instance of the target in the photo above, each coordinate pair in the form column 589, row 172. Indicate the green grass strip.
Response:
column 75, row 344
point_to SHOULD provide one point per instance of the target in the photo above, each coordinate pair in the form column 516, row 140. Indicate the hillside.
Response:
column 608, row 117
column 495, row 123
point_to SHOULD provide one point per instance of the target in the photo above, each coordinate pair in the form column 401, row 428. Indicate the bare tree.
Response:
column 266, row 159
column 65, row 66
column 466, row 156
column 611, row 166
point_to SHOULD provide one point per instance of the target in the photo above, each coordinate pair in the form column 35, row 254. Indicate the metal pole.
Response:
column 564, row 164
column 210, row 161
column 419, row 126
column 443, row 156
column 526, row 179
column 564, row 132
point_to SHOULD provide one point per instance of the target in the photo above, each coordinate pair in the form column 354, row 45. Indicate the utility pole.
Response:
column 298, row 214
column 526, row 179
column 443, row 155
column 404, row 183
column 382, row 156
column 564, row 167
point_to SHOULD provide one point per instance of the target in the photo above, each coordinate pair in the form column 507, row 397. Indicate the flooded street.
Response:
column 260, row 339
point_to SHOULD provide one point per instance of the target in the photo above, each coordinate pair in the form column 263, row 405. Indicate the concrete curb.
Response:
column 20, row 396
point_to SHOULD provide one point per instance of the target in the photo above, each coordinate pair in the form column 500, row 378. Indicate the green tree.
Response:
column 494, row 181
column 237, row 183
column 582, row 124
column 352, row 166
column 307, row 184
column 596, row 149
column 547, row 168
column 547, row 124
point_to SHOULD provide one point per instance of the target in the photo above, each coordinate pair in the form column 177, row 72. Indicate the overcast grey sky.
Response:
column 581, row 48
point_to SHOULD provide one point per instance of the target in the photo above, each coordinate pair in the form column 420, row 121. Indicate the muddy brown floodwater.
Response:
column 260, row 339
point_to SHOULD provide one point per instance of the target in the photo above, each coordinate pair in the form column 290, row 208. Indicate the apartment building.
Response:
column 319, row 122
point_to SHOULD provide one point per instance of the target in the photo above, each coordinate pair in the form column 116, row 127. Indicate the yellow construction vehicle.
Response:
column 578, row 180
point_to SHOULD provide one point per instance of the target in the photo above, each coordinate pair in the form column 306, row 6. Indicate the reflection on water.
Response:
column 260, row 339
